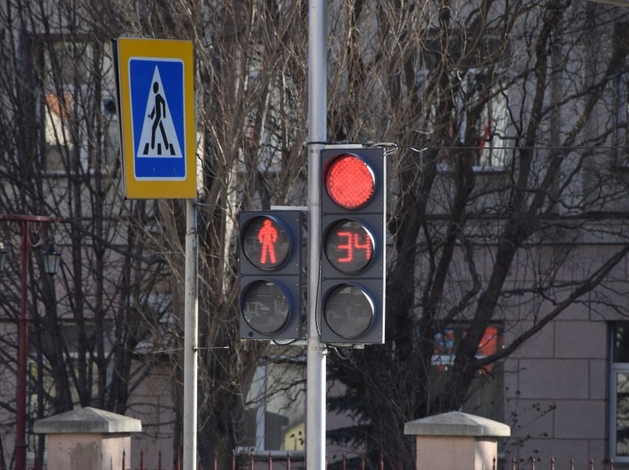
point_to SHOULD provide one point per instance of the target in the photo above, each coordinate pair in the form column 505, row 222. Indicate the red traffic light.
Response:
column 349, row 181
column 266, row 243
column 353, row 243
column 270, row 274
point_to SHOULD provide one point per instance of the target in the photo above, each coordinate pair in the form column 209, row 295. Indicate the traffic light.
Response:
column 270, row 274
column 353, row 242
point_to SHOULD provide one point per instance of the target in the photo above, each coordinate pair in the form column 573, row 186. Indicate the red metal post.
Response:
column 287, row 461
column 20, row 443
column 22, row 372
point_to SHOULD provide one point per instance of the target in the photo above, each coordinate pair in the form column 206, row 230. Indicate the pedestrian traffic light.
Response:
column 353, row 238
column 270, row 274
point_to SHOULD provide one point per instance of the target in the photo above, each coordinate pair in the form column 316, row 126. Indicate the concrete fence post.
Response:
column 456, row 441
column 87, row 439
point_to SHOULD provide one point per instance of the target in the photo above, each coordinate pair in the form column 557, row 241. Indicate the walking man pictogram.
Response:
column 157, row 114
column 267, row 235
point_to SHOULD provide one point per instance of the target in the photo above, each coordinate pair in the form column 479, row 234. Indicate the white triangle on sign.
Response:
column 158, row 138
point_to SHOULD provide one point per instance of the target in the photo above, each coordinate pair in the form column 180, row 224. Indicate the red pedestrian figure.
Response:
column 267, row 236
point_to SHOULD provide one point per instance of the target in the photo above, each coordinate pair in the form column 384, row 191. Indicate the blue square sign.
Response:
column 156, row 102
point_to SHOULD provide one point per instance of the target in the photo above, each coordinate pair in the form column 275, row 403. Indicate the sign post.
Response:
column 155, row 82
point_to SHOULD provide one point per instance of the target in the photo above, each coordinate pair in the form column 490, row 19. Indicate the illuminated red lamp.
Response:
column 350, row 182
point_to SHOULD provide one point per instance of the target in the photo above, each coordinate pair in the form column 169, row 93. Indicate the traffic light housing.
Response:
column 270, row 299
column 353, row 246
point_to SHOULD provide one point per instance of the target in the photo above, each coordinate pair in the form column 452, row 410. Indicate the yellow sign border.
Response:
column 128, row 48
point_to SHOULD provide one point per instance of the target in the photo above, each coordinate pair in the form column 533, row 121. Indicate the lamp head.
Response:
column 52, row 259
column 3, row 256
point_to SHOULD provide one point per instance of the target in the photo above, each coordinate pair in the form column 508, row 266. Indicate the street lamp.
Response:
column 51, row 258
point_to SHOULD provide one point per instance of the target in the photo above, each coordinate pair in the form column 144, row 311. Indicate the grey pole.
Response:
column 190, row 357
column 317, row 124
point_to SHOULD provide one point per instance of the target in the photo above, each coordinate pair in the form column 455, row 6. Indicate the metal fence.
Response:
column 535, row 463
column 261, row 462
column 257, row 462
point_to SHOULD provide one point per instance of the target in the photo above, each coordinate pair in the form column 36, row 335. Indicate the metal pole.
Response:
column 20, row 443
column 191, row 306
column 22, row 366
column 317, row 124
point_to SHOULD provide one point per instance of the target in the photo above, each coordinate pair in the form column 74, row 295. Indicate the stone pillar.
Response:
column 88, row 439
column 456, row 441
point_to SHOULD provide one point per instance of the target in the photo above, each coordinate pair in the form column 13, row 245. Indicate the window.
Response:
column 445, row 346
column 622, row 123
column 483, row 114
column 486, row 392
column 619, row 393
column 620, row 98
column 274, row 418
column 58, row 145
column 479, row 121
column 489, row 126
column 66, row 74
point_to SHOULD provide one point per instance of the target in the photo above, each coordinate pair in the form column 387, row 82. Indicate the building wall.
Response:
column 556, row 391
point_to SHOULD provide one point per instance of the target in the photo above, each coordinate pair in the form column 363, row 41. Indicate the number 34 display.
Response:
column 349, row 246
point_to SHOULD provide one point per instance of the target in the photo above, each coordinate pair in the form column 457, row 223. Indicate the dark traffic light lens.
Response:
column 265, row 307
column 349, row 182
column 349, row 246
column 265, row 243
column 349, row 311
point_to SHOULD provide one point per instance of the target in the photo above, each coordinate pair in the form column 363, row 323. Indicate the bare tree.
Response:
column 502, row 114
column 115, row 311
column 503, row 117
column 59, row 158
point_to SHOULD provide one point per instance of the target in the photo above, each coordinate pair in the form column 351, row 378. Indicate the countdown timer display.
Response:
column 349, row 246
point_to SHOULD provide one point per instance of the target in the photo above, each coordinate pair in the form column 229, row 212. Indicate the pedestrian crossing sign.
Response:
column 156, row 106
